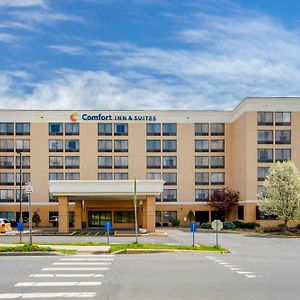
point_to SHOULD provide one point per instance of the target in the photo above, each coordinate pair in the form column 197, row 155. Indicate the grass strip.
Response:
column 25, row 248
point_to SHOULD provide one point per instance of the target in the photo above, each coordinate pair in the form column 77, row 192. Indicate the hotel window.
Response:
column 24, row 196
column 169, row 145
column 7, row 179
column 7, row 195
column 170, row 178
column 104, row 145
column 6, row 128
column 169, row 129
column 153, row 162
column 263, row 216
column 56, row 129
column 56, row 162
column 72, row 176
column 265, row 155
column 282, row 136
column 121, row 162
column 217, row 145
column 201, row 129
column 7, row 146
column 25, row 162
column 217, row 162
column 153, row 175
column 158, row 218
column 72, row 145
column 53, row 198
column 282, row 154
column 264, row 118
column 121, row 146
column 169, row 162
column 240, row 212
column 262, row 173
column 56, row 176
column 124, row 217
column 25, row 178
column 261, row 191
column 283, row 118
column 22, row 128
column 201, row 195
column 169, row 216
column 7, row 162
column 105, row 176
column 23, row 145
column 104, row 129
column 72, row 129
column 121, row 129
column 217, row 178
column 55, row 145
column 201, row 146
column 153, row 129
column 265, row 136
column 217, row 129
column 202, row 162
column 202, row 178
column 170, row 195
column 72, row 162
column 121, row 176
column 153, row 146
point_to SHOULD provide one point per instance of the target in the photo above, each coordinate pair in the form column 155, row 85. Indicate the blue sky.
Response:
column 147, row 54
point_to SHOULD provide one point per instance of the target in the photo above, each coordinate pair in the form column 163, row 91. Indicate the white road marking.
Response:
column 244, row 272
column 230, row 266
column 75, row 269
column 46, row 295
column 235, row 269
column 210, row 257
column 250, row 276
column 89, row 255
column 86, row 259
column 53, row 283
column 81, row 263
column 222, row 263
column 65, row 275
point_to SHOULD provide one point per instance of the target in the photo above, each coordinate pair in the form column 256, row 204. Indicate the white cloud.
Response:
column 7, row 38
column 22, row 3
column 71, row 50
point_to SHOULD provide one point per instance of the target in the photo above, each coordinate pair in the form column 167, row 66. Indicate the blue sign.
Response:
column 20, row 226
column 193, row 227
column 107, row 226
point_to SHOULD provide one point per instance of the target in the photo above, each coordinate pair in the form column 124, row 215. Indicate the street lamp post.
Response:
column 135, row 210
column 20, row 218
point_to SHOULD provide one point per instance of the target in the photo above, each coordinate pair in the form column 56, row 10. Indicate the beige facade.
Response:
column 194, row 152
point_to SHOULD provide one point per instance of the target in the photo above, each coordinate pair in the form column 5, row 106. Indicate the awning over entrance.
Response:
column 87, row 193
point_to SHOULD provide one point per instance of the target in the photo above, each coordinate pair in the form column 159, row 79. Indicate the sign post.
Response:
column 217, row 225
column 193, row 228
column 28, row 191
column 107, row 229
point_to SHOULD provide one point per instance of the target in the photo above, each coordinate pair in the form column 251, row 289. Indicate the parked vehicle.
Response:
column 4, row 225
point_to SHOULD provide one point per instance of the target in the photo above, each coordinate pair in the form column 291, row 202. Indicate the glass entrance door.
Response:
column 98, row 218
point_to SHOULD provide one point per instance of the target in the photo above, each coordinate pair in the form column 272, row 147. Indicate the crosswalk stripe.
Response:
column 47, row 295
column 244, row 272
column 53, row 283
column 89, row 255
column 86, row 259
column 75, row 269
column 81, row 263
column 65, row 275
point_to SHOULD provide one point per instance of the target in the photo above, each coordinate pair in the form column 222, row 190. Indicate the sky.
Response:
column 147, row 54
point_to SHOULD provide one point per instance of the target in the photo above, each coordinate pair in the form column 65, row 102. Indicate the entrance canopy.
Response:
column 99, row 189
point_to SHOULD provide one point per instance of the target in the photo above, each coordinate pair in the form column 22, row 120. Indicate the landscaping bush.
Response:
column 251, row 225
column 157, row 224
column 298, row 226
column 205, row 225
column 165, row 224
column 175, row 222
column 270, row 229
column 239, row 224
column 229, row 225
column 281, row 227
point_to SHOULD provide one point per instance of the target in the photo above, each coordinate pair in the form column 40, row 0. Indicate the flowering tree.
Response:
column 224, row 200
column 282, row 192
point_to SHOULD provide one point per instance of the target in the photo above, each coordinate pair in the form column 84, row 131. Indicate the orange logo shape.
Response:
column 74, row 116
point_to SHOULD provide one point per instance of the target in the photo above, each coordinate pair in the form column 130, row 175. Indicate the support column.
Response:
column 149, row 214
column 77, row 214
column 63, row 214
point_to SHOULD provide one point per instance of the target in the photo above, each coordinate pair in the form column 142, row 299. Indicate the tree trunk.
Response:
column 285, row 225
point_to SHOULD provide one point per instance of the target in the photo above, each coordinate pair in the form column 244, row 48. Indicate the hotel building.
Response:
column 82, row 164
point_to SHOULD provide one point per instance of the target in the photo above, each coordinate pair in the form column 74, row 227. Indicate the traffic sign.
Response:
column 217, row 225
column 20, row 226
column 193, row 227
column 108, row 226
column 28, row 188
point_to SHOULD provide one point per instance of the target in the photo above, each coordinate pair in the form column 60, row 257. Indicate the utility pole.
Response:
column 135, row 210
